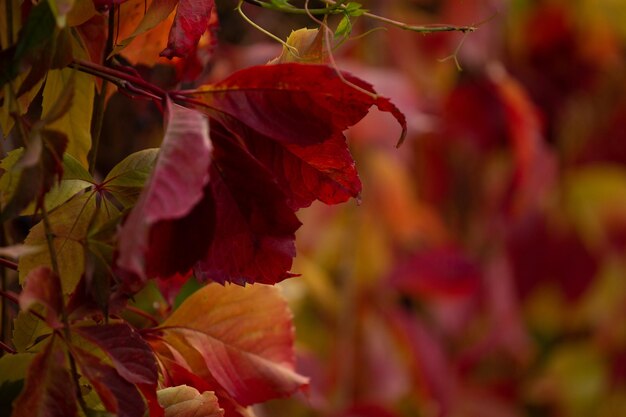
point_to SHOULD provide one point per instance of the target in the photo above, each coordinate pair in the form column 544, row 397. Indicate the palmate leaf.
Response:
column 278, row 145
column 291, row 117
column 241, row 343
column 70, row 224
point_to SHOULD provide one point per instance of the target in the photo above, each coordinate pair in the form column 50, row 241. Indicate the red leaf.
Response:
column 291, row 117
column 129, row 353
column 49, row 389
column 43, row 286
column 292, row 103
column 191, row 21
column 255, row 233
column 154, row 240
column 117, row 395
column 438, row 272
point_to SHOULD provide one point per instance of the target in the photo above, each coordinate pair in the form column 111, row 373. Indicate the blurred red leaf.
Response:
column 255, row 232
column 155, row 239
column 437, row 272
column 46, row 392
column 191, row 21
column 535, row 164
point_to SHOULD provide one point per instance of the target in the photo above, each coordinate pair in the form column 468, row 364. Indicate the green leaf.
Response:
column 344, row 28
column 75, row 180
column 70, row 224
column 27, row 329
column 354, row 9
column 75, row 123
column 126, row 179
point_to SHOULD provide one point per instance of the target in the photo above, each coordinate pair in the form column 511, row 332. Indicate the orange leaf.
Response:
column 238, row 338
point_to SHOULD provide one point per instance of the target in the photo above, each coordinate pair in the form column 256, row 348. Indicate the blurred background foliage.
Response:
column 483, row 272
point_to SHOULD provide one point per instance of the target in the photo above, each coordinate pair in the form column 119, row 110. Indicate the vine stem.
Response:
column 340, row 8
column 129, row 82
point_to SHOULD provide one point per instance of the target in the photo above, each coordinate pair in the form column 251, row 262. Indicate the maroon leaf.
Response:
column 437, row 272
column 191, row 21
column 49, row 387
column 292, row 103
column 255, row 233
column 291, row 117
column 43, row 287
column 117, row 395
column 154, row 240
column 129, row 353
column 324, row 171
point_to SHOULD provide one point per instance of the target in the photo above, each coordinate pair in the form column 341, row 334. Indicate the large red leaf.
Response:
column 255, row 232
column 191, row 21
column 49, row 389
column 129, row 353
column 117, row 394
column 242, row 341
column 157, row 238
column 292, row 103
column 291, row 117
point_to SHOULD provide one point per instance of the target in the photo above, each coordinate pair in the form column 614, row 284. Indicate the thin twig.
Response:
column 8, row 264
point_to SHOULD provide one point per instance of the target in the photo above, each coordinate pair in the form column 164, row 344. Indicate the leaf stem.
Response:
column 339, row 7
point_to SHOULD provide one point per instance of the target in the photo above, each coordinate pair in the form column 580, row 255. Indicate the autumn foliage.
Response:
column 155, row 172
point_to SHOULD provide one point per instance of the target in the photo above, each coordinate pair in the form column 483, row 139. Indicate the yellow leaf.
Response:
column 70, row 223
column 186, row 401
column 76, row 123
